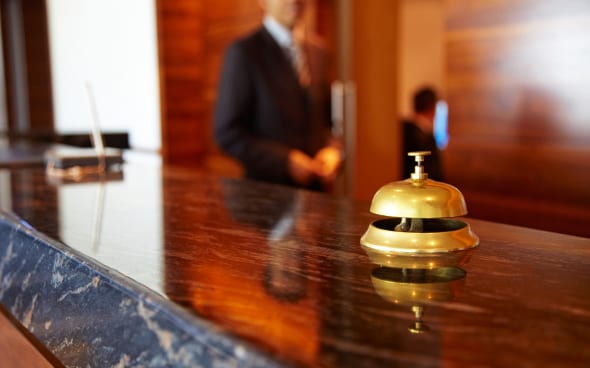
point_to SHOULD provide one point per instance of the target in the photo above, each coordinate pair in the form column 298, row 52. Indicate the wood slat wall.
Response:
column 375, row 65
column 25, row 23
column 519, row 116
column 192, row 38
column 180, row 44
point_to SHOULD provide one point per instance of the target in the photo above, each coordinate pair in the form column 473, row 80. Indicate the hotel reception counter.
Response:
column 161, row 267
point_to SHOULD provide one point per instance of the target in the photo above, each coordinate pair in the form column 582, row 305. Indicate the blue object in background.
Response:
column 441, row 121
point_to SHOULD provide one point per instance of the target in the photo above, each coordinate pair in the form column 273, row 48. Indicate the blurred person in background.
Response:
column 418, row 134
column 273, row 106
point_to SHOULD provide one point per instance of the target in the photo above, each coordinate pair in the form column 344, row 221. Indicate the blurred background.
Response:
column 513, row 73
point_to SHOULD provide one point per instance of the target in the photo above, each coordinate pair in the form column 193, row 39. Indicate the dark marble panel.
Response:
column 88, row 315
column 283, row 271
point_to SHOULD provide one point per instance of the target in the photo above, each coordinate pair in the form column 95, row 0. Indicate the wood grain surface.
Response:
column 519, row 117
column 284, row 270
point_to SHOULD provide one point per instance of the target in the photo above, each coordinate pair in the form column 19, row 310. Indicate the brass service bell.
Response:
column 418, row 232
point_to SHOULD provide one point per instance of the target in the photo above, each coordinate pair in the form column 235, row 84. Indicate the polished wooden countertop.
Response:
column 284, row 270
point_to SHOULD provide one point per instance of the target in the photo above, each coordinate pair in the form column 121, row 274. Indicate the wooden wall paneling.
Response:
column 470, row 14
column 38, row 65
column 192, row 38
column 180, row 45
column 519, row 119
column 375, row 44
column 8, row 61
column 25, row 44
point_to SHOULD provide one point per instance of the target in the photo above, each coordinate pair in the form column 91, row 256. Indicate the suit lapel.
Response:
column 277, row 66
column 280, row 77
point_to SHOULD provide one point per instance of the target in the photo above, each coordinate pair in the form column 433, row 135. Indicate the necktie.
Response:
column 299, row 62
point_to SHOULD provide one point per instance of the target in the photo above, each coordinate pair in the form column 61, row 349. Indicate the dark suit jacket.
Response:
column 262, row 111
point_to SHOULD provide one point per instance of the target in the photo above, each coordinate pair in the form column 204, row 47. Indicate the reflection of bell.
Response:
column 416, row 288
column 418, row 233
column 411, row 287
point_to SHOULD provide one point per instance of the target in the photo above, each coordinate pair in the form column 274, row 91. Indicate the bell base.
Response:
column 445, row 243
column 428, row 261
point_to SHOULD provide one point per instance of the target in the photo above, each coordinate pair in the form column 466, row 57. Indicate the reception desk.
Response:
column 172, row 267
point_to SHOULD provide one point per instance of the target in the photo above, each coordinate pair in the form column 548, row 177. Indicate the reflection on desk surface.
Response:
column 284, row 270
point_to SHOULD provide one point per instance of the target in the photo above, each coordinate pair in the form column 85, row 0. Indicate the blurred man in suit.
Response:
column 418, row 135
column 273, row 106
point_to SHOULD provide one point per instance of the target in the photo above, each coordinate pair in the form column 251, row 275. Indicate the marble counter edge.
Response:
column 88, row 314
